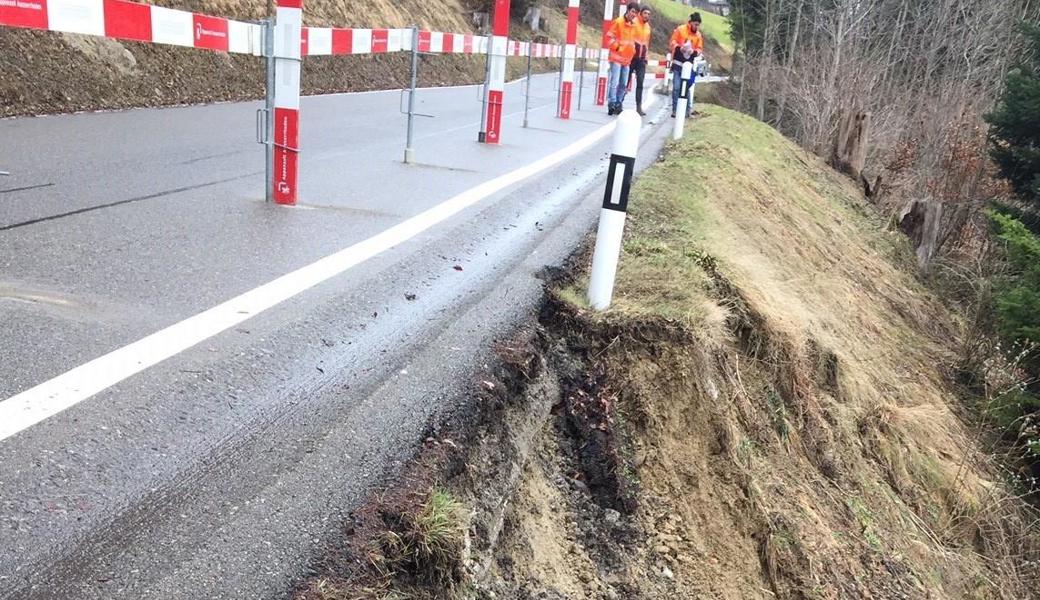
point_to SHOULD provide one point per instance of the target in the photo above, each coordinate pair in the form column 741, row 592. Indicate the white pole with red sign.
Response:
column 287, row 47
column 569, row 54
column 497, row 73
column 604, row 55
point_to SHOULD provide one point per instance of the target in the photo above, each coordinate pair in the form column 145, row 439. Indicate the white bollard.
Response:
column 615, row 207
column 684, row 100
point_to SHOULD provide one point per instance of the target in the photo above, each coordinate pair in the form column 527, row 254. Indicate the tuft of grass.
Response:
column 865, row 519
column 746, row 451
column 440, row 523
column 426, row 547
column 779, row 412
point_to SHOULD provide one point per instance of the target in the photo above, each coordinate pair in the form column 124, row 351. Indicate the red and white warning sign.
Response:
column 288, row 44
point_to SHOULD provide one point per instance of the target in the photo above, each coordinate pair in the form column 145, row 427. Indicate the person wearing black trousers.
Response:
column 639, row 60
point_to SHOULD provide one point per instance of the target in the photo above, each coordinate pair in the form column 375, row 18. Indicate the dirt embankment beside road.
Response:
column 46, row 72
column 763, row 413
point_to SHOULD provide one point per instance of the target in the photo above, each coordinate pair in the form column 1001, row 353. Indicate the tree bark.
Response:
column 850, row 149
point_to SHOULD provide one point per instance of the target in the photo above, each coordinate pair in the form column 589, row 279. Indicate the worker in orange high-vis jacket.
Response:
column 686, row 45
column 638, row 69
column 621, row 40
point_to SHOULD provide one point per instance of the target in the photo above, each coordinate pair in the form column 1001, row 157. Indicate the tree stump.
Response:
column 921, row 221
column 850, row 149
column 534, row 17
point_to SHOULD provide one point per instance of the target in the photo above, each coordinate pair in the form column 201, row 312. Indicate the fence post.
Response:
column 668, row 83
column 527, row 82
column 559, row 82
column 569, row 55
column 604, row 55
column 287, row 41
column 497, row 73
column 615, row 208
column 268, row 139
column 581, row 76
column 668, row 74
column 482, row 134
column 684, row 100
column 409, row 150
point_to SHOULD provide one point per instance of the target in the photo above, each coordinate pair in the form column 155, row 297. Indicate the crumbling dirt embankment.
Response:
column 763, row 413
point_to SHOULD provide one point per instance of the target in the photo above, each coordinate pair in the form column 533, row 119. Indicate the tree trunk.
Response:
column 789, row 62
column 850, row 149
column 534, row 17
column 920, row 221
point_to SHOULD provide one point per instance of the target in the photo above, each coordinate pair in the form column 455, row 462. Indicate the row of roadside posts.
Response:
column 266, row 116
column 613, row 212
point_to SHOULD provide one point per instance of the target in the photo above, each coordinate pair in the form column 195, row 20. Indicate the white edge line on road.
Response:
column 51, row 397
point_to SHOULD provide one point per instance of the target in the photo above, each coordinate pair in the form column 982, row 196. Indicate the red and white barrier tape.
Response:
column 323, row 41
column 133, row 21
column 138, row 22
column 660, row 63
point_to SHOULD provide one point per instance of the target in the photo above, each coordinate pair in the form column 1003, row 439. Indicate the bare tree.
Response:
column 924, row 71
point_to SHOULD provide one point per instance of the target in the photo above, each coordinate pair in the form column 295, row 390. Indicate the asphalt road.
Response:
column 218, row 472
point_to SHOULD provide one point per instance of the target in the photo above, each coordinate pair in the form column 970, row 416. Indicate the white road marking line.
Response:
column 51, row 397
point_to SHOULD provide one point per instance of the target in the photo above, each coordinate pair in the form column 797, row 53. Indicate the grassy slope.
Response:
column 715, row 26
column 778, row 268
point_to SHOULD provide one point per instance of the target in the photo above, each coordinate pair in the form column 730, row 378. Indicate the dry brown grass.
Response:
column 832, row 358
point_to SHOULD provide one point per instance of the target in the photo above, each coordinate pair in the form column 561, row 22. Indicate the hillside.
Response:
column 718, row 42
column 764, row 412
column 784, row 387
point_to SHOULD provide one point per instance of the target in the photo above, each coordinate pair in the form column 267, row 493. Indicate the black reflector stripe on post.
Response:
column 616, row 195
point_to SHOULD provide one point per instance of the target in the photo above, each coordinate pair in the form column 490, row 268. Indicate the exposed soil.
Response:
column 755, row 417
column 638, row 483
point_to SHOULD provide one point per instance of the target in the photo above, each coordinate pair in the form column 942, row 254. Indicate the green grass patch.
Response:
column 865, row 520
column 778, row 411
column 427, row 545
column 715, row 26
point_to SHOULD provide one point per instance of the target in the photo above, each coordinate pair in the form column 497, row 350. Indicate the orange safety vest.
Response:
column 680, row 36
column 621, row 39
column 642, row 39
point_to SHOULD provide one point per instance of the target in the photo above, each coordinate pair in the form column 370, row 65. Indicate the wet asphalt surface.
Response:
column 220, row 472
